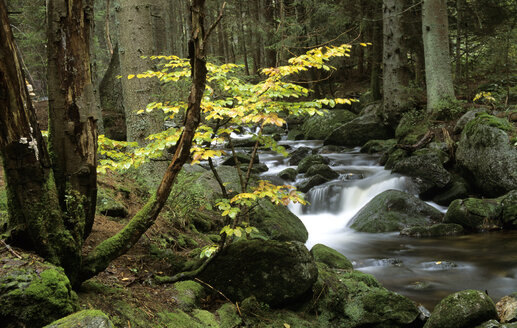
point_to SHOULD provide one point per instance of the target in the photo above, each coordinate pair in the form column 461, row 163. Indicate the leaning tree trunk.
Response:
column 73, row 107
column 117, row 245
column 435, row 30
column 35, row 217
column 396, row 73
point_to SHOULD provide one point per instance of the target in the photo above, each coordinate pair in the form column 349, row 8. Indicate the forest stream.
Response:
column 423, row 269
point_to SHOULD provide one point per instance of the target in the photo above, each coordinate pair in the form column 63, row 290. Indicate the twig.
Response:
column 216, row 21
column 10, row 249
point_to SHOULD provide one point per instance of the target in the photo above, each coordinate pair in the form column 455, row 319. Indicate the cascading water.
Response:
column 425, row 269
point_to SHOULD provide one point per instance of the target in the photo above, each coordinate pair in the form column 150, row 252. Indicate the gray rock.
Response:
column 309, row 161
column 466, row 118
column 319, row 127
column 394, row 210
column 298, row 154
column 509, row 209
column 358, row 131
column 83, row 319
column 475, row 214
column 435, row 230
column 507, row 308
column 311, row 182
column 241, row 157
column 322, row 169
column 288, row 174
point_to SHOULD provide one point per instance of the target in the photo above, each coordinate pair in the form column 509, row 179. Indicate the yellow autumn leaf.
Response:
column 130, row 76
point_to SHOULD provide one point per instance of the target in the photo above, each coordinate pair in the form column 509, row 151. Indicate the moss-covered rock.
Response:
column 354, row 299
column 435, row 230
column 274, row 272
column 394, row 210
column 464, row 309
column 392, row 156
column 33, row 293
column 475, row 214
column 378, row 146
column 486, row 155
column 412, row 127
column 228, row 316
column 309, row 161
column 311, row 182
column 496, row 324
column 358, row 131
column 241, row 157
column 187, row 294
column 83, row 319
column 259, row 315
column 427, row 169
column 458, row 188
column 322, row 169
column 108, row 205
column 319, row 127
column 296, row 156
column 288, row 174
column 295, row 134
column 330, row 257
column 507, row 308
column 509, row 209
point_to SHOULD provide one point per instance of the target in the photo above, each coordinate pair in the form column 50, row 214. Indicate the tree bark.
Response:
column 73, row 107
column 435, row 30
column 117, row 245
column 35, row 218
column 396, row 73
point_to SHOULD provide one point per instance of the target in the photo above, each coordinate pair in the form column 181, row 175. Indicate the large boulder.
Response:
column 330, row 257
column 464, row 309
column 309, row 161
column 509, row 209
column 322, row 169
column 394, row 210
column 33, row 293
column 241, row 157
column 378, row 146
column 298, row 154
column 487, row 156
column 435, row 230
column 311, row 182
column 274, row 272
column 475, row 214
column 288, row 174
column 426, row 168
column 358, row 131
column 355, row 299
column 319, row 127
column 507, row 308
column 83, row 319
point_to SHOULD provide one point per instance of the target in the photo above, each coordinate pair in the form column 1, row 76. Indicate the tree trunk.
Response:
column 376, row 61
column 35, row 218
column 435, row 31
column 73, row 107
column 117, row 245
column 269, row 20
column 396, row 73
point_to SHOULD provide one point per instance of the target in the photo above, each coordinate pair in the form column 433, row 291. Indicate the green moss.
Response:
column 330, row 257
column 178, row 319
column 80, row 318
column 206, row 318
column 449, row 109
column 125, row 313
column 188, row 294
column 228, row 316
column 412, row 126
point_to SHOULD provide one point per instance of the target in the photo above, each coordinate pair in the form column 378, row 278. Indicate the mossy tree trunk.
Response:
column 435, row 31
column 396, row 72
column 117, row 245
column 36, row 221
column 73, row 106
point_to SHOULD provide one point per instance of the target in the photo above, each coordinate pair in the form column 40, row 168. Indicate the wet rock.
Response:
column 392, row 156
column 277, row 222
column 356, row 299
column 322, row 169
column 295, row 134
column 378, row 146
column 311, row 182
column 241, row 157
column 319, row 127
column 466, row 118
column 394, row 210
column 358, row 131
column 457, row 189
column 329, row 149
column 427, row 169
column 509, row 209
column 256, row 168
column 274, row 272
column 412, row 127
column 475, row 214
column 496, row 324
column 464, row 309
column 83, row 319
column 507, row 308
column 288, row 174
column 435, row 230
column 309, row 161
column 33, row 293
column 330, row 257
column 439, row 266
column 486, row 155
column 298, row 154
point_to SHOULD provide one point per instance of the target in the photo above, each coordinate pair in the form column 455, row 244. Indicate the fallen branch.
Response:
column 10, row 249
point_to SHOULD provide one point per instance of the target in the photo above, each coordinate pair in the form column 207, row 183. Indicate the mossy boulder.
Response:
column 475, row 214
column 277, row 222
column 33, row 293
column 243, row 158
column 378, row 146
column 435, row 230
column 276, row 273
column 295, row 134
column 108, row 205
column 296, row 156
column 486, row 155
column 507, row 308
column 458, row 188
column 394, row 210
column 330, row 257
column 196, row 319
column 358, row 131
column 412, row 127
column 83, row 319
column 426, row 168
column 259, row 315
column 355, row 299
column 496, row 324
column 464, row 309
column 187, row 294
column 319, row 127
column 466, row 118
column 288, row 174
column 509, row 209
column 309, row 161
column 311, row 182
column 392, row 156
column 322, row 169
